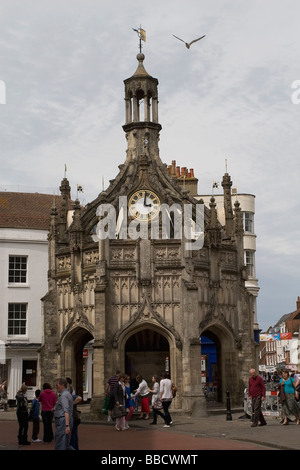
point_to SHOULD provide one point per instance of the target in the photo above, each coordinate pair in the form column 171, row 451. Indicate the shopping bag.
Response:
column 104, row 407
column 157, row 404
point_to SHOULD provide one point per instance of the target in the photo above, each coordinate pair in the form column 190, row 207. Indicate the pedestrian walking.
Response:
column 48, row 400
column 22, row 415
column 35, row 411
column 287, row 397
column 154, row 393
column 110, row 390
column 166, row 396
column 143, row 391
column 63, row 415
column 257, row 393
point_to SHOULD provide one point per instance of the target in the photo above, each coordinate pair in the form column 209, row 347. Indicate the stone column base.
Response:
column 96, row 408
column 195, row 404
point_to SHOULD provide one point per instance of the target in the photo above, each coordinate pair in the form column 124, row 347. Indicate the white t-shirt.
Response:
column 165, row 388
column 143, row 389
column 155, row 393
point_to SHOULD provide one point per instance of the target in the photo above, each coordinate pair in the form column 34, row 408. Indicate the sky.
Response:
column 233, row 96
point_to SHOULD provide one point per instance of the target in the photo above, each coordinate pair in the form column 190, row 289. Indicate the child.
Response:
column 35, row 406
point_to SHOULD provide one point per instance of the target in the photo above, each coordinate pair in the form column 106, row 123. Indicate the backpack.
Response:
column 174, row 390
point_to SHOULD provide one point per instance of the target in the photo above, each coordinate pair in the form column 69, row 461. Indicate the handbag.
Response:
column 157, row 405
column 76, row 417
column 118, row 411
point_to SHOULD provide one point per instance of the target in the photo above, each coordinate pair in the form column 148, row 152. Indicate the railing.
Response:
column 270, row 406
column 210, row 391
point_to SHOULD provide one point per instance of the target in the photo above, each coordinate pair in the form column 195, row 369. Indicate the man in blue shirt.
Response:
column 63, row 415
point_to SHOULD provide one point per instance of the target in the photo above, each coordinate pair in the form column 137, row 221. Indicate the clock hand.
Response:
column 146, row 205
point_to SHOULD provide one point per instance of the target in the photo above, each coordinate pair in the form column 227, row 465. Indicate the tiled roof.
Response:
column 26, row 210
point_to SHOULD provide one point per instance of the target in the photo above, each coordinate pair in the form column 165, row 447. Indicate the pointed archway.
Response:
column 72, row 356
column 147, row 352
column 211, row 369
column 225, row 366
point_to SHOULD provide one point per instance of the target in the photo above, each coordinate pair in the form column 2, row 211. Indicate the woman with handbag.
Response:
column 119, row 410
column 289, row 404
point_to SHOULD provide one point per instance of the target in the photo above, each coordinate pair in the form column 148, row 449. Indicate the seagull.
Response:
column 188, row 45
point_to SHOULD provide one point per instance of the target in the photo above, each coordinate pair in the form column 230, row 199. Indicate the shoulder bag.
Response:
column 118, row 411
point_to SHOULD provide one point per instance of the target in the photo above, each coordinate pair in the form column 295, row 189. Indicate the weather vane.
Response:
column 142, row 36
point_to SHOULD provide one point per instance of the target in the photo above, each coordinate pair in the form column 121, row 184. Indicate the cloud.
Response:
column 228, row 97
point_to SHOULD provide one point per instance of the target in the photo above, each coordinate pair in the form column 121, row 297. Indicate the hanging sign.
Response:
column 275, row 337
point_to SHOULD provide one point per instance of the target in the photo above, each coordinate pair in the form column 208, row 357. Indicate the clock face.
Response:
column 144, row 204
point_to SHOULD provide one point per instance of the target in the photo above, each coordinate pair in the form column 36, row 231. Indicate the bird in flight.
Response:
column 188, row 44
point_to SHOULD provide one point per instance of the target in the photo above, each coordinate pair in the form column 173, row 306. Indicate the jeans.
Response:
column 23, row 426
column 62, row 440
column 166, row 416
column 35, row 428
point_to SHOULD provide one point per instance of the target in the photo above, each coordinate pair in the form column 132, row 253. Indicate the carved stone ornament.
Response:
column 79, row 319
column 146, row 313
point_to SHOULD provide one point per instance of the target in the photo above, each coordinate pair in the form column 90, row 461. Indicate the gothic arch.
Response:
column 227, row 356
column 71, row 355
column 157, row 329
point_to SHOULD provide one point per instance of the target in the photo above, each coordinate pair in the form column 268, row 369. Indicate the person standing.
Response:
column 289, row 404
column 63, row 415
column 134, row 385
column 3, row 395
column 257, row 392
column 120, row 399
column 22, row 415
column 35, row 407
column 48, row 400
column 129, row 402
column 74, row 442
column 110, row 390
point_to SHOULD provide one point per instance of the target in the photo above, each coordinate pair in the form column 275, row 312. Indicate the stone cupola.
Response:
column 141, row 105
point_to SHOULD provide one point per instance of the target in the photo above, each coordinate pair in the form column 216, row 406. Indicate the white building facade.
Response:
column 23, row 279
column 247, row 206
column 24, row 219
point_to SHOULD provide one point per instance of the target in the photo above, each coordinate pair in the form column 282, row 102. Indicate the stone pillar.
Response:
column 154, row 109
column 193, row 397
column 99, row 353
column 135, row 108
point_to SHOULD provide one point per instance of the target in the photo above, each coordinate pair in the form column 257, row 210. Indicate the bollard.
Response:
column 228, row 415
